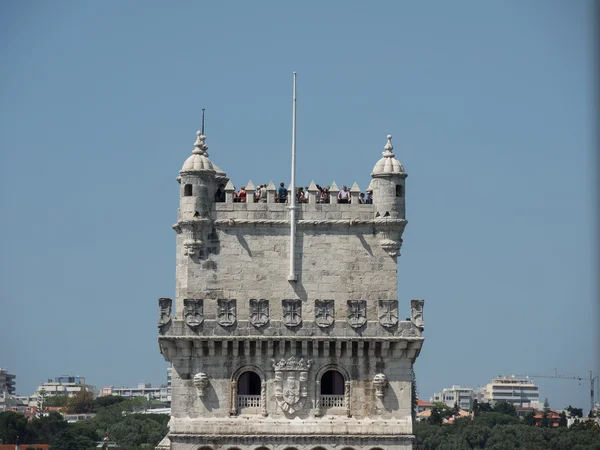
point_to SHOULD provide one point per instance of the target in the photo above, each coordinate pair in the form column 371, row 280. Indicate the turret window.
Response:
column 399, row 190
column 187, row 190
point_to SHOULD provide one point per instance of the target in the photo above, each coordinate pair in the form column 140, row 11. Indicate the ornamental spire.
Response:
column 388, row 148
column 199, row 146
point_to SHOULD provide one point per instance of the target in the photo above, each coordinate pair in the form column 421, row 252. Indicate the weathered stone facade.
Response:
column 263, row 362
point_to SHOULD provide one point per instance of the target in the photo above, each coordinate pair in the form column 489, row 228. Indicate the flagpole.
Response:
column 292, row 275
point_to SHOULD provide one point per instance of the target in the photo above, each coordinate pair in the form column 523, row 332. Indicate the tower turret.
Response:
column 198, row 179
column 388, row 185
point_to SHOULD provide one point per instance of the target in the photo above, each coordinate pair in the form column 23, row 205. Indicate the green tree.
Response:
column 506, row 408
column 436, row 417
column 67, row 440
column 57, row 401
column 13, row 425
column 545, row 423
column 529, row 418
column 81, row 403
column 42, row 407
column 562, row 421
column 414, row 393
column 546, row 403
column 480, row 407
column 108, row 400
column 455, row 409
column 43, row 429
column 138, row 429
column 574, row 412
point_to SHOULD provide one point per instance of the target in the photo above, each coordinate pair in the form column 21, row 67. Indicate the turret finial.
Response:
column 199, row 146
column 388, row 147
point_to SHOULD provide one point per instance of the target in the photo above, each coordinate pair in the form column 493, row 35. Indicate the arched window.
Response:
column 248, row 392
column 187, row 190
column 399, row 190
column 332, row 383
column 249, row 384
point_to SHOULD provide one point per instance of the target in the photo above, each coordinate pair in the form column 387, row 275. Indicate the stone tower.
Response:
column 263, row 363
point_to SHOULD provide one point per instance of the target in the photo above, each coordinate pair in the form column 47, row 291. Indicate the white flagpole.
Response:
column 292, row 275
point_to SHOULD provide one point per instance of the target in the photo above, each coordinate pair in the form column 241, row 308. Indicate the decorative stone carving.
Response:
column 263, row 399
column 380, row 382
column 416, row 313
column 324, row 313
column 388, row 312
column 226, row 314
column 357, row 313
column 193, row 312
column 191, row 247
column 291, row 378
column 233, row 398
column 292, row 312
column 391, row 242
column 200, row 381
column 259, row 312
column 317, row 410
column 164, row 305
column 347, row 387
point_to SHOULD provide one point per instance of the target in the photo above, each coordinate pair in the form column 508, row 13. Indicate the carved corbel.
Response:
column 380, row 383
column 201, row 382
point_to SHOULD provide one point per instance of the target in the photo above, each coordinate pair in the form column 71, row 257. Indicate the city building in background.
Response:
column 68, row 385
column 7, row 389
column 462, row 396
column 162, row 393
column 518, row 391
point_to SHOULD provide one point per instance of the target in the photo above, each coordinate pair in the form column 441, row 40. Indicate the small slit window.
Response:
column 187, row 190
column 399, row 190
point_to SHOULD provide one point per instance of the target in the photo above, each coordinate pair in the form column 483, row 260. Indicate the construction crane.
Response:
column 562, row 377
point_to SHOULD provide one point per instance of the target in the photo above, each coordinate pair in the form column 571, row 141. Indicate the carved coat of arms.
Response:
column 388, row 312
column 416, row 313
column 164, row 317
column 324, row 313
column 291, row 377
column 292, row 312
column 193, row 312
column 357, row 313
column 259, row 312
column 226, row 312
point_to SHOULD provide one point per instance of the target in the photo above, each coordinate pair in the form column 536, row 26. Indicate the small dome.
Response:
column 198, row 161
column 388, row 164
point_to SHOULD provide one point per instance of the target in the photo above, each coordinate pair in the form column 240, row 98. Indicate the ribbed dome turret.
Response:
column 198, row 161
column 388, row 165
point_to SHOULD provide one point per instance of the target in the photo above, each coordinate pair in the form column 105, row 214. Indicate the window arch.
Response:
column 187, row 190
column 248, row 383
column 332, row 383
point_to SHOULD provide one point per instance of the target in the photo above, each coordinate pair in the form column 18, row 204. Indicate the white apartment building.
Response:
column 518, row 391
column 65, row 385
column 463, row 396
column 162, row 393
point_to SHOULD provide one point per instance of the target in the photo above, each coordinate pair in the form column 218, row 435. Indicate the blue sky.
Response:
column 490, row 105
